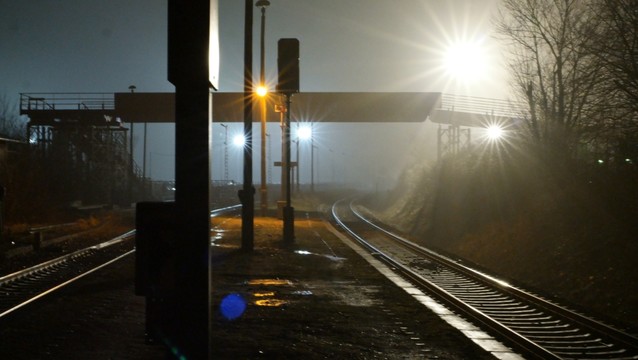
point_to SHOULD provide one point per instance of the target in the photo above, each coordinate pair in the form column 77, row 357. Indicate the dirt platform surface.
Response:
column 315, row 299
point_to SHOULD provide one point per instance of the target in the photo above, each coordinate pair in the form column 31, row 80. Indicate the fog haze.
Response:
column 354, row 45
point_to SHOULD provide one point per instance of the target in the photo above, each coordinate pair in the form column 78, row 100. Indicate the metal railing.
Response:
column 66, row 101
column 484, row 106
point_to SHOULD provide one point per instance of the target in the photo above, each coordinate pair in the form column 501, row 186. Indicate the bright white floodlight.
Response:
column 239, row 140
column 304, row 132
column 494, row 132
column 466, row 61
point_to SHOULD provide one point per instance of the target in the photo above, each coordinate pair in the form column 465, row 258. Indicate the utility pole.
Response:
column 297, row 168
column 263, row 191
column 225, row 151
column 131, row 175
column 247, row 193
column 312, row 158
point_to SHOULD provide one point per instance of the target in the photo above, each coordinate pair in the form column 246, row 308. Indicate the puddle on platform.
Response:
column 330, row 257
column 270, row 302
column 267, row 298
column 216, row 237
column 269, row 282
column 346, row 292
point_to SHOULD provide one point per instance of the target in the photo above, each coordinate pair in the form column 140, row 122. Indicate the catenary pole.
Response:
column 247, row 194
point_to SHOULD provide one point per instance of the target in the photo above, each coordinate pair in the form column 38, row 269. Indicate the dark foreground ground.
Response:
column 316, row 300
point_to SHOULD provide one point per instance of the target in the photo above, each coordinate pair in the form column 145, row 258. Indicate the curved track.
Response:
column 532, row 325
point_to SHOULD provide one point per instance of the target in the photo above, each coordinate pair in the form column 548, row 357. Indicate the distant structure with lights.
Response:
column 457, row 115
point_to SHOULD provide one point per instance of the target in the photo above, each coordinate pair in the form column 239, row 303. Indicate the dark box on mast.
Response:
column 288, row 66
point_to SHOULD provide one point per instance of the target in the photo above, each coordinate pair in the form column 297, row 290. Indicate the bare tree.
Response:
column 616, row 46
column 556, row 74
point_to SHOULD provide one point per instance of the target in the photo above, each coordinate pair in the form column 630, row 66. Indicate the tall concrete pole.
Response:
column 131, row 175
column 247, row 194
column 312, row 158
column 262, row 82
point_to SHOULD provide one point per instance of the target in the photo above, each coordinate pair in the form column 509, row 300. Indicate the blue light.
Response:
column 232, row 306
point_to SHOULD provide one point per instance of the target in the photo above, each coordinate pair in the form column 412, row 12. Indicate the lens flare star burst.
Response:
column 494, row 132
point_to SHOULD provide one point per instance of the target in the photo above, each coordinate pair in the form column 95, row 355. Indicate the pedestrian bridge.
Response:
column 456, row 115
column 96, row 108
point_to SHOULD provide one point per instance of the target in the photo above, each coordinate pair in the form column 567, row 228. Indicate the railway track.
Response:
column 26, row 286
column 530, row 324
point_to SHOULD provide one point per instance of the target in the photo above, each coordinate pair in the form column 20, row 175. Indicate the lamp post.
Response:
column 246, row 194
column 225, row 151
column 263, row 4
column 312, row 167
column 312, row 158
column 131, row 174
column 297, row 167
column 239, row 142
column 144, row 161
column 268, row 159
column 281, row 109
column 304, row 132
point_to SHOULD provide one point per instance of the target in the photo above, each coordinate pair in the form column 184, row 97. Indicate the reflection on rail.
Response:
column 26, row 286
column 534, row 326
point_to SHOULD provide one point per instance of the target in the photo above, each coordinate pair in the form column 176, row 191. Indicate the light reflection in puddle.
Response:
column 331, row 257
column 271, row 302
column 217, row 236
column 268, row 298
column 274, row 282
column 302, row 292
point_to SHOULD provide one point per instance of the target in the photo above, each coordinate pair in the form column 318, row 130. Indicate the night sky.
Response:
column 346, row 45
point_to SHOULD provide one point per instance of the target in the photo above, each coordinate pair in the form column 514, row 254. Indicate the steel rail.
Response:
column 509, row 311
column 26, row 286
column 619, row 336
column 45, row 274
column 63, row 284
column 47, row 264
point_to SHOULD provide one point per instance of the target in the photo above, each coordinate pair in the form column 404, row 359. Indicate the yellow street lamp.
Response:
column 262, row 90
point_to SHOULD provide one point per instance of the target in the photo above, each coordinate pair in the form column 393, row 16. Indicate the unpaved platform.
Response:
column 316, row 299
